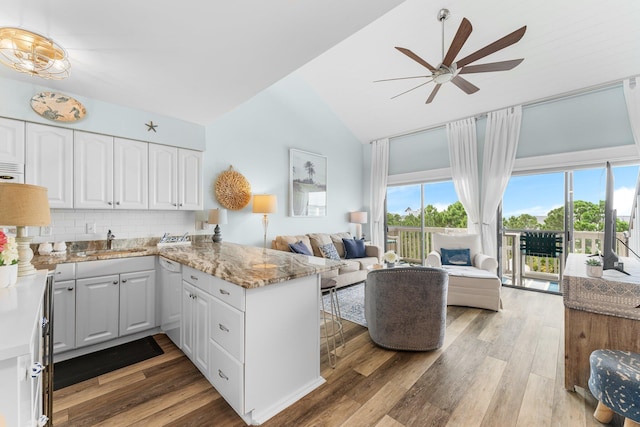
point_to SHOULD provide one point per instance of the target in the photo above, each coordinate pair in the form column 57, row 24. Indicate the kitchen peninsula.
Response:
column 250, row 319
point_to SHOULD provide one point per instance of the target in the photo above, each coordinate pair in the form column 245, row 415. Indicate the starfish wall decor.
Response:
column 151, row 126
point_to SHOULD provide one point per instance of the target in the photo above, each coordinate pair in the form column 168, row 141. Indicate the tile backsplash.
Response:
column 80, row 225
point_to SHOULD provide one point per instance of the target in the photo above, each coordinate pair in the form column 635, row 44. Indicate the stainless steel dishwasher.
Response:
column 171, row 299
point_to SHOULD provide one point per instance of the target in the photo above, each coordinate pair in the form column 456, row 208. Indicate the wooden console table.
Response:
column 599, row 313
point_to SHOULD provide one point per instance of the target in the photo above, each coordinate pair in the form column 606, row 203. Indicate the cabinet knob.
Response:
column 180, row 205
column 124, row 280
column 110, row 203
column 174, row 204
column 118, row 203
column 223, row 328
column 223, row 292
column 70, row 288
column 194, row 278
column 115, row 282
column 222, row 375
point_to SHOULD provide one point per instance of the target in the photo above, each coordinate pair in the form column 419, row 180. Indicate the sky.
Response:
column 532, row 194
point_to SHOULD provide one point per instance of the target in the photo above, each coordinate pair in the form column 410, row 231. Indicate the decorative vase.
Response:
column 391, row 264
column 594, row 270
column 8, row 275
column 45, row 248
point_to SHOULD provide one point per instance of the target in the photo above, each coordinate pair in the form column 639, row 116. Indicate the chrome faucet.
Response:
column 110, row 237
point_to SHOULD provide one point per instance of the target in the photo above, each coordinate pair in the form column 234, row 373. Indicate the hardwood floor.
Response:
column 495, row 369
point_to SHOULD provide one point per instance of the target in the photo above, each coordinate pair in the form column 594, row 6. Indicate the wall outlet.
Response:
column 91, row 228
column 45, row 230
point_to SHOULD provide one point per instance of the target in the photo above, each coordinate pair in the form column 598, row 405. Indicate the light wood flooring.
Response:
column 495, row 369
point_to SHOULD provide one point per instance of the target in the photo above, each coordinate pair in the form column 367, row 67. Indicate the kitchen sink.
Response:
column 109, row 252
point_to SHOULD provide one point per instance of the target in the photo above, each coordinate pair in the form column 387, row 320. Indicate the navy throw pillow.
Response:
column 329, row 251
column 354, row 248
column 300, row 248
column 460, row 257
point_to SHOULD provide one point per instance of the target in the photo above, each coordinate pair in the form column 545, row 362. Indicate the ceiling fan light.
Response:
column 443, row 78
column 33, row 54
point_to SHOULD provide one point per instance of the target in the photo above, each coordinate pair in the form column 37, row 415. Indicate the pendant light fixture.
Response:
column 33, row 54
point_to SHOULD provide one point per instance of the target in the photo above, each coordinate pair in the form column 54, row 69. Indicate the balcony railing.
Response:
column 406, row 241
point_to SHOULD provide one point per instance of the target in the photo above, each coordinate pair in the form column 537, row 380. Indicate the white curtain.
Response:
column 632, row 97
column 379, row 173
column 501, row 142
column 463, row 155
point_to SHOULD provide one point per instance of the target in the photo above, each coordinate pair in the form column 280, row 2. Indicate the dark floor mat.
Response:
column 91, row 365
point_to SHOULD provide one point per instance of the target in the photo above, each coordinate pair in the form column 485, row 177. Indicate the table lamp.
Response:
column 265, row 204
column 358, row 218
column 23, row 205
column 217, row 217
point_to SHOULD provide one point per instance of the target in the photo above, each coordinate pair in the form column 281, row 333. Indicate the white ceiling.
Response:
column 195, row 60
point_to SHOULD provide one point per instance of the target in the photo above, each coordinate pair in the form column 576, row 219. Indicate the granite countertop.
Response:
column 246, row 266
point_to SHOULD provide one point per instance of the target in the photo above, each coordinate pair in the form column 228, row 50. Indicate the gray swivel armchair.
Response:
column 406, row 307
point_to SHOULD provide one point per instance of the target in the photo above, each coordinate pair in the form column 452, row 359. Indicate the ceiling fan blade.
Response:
column 492, row 66
column 402, row 78
column 507, row 40
column 433, row 94
column 465, row 85
column 464, row 31
column 416, row 58
column 413, row 88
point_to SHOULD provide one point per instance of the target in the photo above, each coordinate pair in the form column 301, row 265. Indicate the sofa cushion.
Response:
column 349, row 266
column 336, row 238
column 367, row 262
column 300, row 248
column 281, row 243
column 354, row 248
column 458, row 241
column 317, row 240
column 455, row 256
column 329, row 251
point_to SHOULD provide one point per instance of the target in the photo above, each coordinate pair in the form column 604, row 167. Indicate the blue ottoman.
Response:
column 615, row 382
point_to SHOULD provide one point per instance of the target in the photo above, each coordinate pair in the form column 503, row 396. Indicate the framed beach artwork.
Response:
column 307, row 184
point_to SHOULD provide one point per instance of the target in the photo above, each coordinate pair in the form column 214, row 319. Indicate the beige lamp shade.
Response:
column 358, row 217
column 218, row 216
column 265, row 203
column 24, row 205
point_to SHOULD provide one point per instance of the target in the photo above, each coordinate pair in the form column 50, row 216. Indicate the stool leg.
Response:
column 332, row 357
column 603, row 413
column 339, row 315
column 630, row 423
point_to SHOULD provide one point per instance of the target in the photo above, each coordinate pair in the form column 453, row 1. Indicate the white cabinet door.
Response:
column 93, row 164
column 49, row 156
column 130, row 174
column 190, row 179
column 11, row 141
column 64, row 320
column 188, row 291
column 201, row 331
column 163, row 177
column 97, row 301
column 137, row 301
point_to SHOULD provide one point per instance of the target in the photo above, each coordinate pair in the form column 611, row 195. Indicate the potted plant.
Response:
column 594, row 267
column 8, row 260
column 390, row 258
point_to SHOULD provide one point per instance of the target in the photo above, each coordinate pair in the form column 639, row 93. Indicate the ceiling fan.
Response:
column 449, row 71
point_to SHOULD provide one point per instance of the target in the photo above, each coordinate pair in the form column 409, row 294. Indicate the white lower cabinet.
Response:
column 195, row 326
column 227, row 376
column 64, row 322
column 97, row 304
column 137, row 301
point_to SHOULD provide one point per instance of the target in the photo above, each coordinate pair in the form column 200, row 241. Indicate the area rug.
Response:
column 351, row 300
column 82, row 368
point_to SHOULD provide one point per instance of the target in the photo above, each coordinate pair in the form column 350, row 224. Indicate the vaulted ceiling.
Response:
column 196, row 60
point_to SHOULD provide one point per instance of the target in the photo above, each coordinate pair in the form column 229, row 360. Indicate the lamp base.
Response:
column 25, row 255
column 217, row 235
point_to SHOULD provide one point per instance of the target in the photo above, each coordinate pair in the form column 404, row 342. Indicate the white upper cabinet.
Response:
column 130, row 174
column 175, row 178
column 49, row 155
column 93, row 164
column 190, row 179
column 11, row 141
column 111, row 173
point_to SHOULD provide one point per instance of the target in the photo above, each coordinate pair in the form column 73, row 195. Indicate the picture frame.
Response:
column 307, row 184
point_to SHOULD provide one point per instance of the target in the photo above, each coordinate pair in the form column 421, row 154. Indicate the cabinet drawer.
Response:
column 228, row 292
column 65, row 272
column 226, row 375
column 197, row 278
column 227, row 328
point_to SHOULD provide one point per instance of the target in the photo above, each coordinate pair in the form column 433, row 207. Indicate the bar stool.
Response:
column 331, row 322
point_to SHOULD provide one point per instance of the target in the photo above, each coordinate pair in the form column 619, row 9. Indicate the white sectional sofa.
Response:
column 474, row 285
column 355, row 269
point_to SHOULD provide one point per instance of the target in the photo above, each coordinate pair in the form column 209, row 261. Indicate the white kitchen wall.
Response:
column 71, row 225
